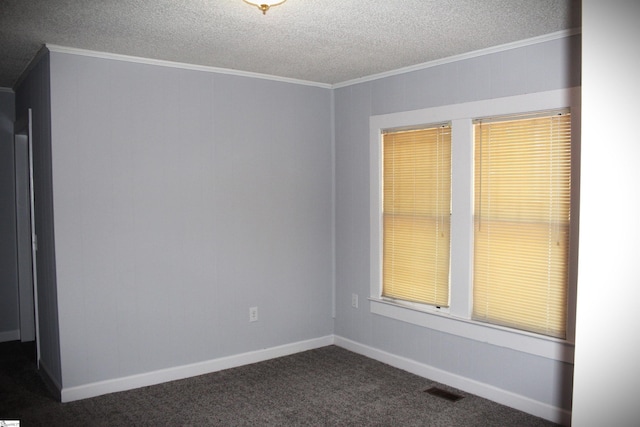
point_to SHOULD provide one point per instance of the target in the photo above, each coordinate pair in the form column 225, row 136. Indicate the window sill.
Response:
column 539, row 345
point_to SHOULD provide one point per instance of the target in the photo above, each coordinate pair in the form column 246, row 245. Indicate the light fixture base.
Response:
column 264, row 6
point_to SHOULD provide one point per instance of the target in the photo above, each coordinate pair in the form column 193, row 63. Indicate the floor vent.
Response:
column 435, row 391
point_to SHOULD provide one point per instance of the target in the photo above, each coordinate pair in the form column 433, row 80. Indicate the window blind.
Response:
column 416, row 215
column 521, row 219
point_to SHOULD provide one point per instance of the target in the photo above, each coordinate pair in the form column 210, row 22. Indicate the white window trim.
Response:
column 457, row 320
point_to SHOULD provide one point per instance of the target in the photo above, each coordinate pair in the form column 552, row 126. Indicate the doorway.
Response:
column 26, row 239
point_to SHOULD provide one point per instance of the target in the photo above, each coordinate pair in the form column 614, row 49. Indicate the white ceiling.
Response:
column 323, row 41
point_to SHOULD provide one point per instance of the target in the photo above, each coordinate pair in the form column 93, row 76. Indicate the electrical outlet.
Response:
column 354, row 300
column 253, row 314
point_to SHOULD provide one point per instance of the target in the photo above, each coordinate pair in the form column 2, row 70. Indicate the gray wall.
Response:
column 182, row 198
column 541, row 67
column 9, row 311
column 34, row 92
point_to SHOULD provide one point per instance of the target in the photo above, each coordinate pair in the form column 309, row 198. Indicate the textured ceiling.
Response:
column 324, row 41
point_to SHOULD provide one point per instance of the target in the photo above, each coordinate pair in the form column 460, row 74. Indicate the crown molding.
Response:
column 495, row 49
column 182, row 65
column 163, row 63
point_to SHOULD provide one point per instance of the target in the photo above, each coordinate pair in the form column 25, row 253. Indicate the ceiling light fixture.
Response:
column 264, row 5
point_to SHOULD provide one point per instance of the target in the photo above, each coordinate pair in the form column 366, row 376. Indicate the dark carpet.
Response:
column 329, row 386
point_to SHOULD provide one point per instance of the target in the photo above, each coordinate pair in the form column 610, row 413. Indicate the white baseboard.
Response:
column 504, row 397
column 52, row 384
column 69, row 394
column 6, row 336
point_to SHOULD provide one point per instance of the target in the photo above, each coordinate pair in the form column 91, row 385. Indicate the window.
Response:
column 416, row 213
column 547, row 330
column 521, row 222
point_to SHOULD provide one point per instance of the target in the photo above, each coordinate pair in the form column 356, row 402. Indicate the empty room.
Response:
column 279, row 210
